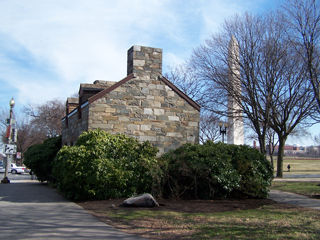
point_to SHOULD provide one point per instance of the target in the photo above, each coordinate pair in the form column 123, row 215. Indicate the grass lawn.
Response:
column 277, row 221
column 305, row 188
column 299, row 166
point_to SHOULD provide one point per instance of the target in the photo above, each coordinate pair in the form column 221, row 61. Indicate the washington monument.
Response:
column 235, row 119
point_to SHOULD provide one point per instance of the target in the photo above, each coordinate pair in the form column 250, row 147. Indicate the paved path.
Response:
column 302, row 179
column 307, row 177
column 295, row 199
column 31, row 210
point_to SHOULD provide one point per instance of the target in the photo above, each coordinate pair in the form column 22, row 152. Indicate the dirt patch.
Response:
column 189, row 206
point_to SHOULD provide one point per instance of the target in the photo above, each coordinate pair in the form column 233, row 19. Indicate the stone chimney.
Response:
column 145, row 61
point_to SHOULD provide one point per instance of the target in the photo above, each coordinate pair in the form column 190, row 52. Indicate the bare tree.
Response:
column 313, row 151
column 293, row 103
column 3, row 124
column 272, row 143
column 303, row 19
column 212, row 63
column 28, row 134
column 47, row 117
column 209, row 127
column 317, row 139
column 186, row 79
column 35, row 123
column 274, row 92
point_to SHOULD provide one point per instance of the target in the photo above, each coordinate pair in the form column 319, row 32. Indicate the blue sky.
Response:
column 47, row 48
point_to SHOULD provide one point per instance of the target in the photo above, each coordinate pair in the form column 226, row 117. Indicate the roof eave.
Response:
column 181, row 94
column 107, row 90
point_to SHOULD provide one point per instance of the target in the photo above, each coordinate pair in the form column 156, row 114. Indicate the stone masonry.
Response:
column 144, row 105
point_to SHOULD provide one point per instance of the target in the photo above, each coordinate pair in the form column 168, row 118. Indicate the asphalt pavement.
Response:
column 31, row 210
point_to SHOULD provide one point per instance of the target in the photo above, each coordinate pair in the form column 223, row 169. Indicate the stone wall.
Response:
column 144, row 105
column 75, row 126
column 147, row 110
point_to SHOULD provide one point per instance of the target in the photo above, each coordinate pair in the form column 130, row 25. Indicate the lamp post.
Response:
column 223, row 131
column 5, row 179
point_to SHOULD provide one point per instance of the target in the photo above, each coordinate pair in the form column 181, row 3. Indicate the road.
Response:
column 22, row 176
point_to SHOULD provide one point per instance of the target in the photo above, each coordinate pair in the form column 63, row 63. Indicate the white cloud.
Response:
column 53, row 45
column 47, row 48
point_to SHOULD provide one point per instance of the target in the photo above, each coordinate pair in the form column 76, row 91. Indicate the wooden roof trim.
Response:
column 181, row 94
column 105, row 91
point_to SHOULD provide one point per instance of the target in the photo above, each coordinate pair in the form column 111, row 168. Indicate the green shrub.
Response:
column 103, row 166
column 39, row 157
column 255, row 171
column 215, row 170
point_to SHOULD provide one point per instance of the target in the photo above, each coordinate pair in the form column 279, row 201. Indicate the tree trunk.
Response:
column 262, row 142
column 271, row 155
column 282, row 142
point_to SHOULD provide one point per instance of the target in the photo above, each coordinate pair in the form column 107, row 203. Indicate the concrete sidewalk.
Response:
column 291, row 179
column 31, row 210
column 294, row 199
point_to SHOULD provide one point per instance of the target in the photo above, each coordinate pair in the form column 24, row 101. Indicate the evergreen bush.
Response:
column 39, row 157
column 103, row 166
column 215, row 170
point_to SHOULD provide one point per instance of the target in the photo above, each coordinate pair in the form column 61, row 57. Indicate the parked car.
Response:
column 14, row 169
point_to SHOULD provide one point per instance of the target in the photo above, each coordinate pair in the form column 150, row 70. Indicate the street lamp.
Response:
column 5, row 179
column 223, row 131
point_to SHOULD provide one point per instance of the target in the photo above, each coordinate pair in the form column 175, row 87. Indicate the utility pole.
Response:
column 9, row 148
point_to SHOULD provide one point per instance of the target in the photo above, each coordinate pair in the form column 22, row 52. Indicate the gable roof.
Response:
column 98, row 85
column 107, row 90
column 131, row 76
column 73, row 100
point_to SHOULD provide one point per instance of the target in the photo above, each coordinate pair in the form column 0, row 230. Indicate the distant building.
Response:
column 288, row 150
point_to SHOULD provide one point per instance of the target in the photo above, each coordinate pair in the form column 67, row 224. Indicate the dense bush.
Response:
column 39, row 157
column 255, row 171
column 102, row 166
column 216, row 170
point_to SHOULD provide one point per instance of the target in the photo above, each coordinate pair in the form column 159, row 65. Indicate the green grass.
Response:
column 299, row 166
column 267, row 222
column 305, row 188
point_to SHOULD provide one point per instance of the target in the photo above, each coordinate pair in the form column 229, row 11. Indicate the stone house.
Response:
column 144, row 105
